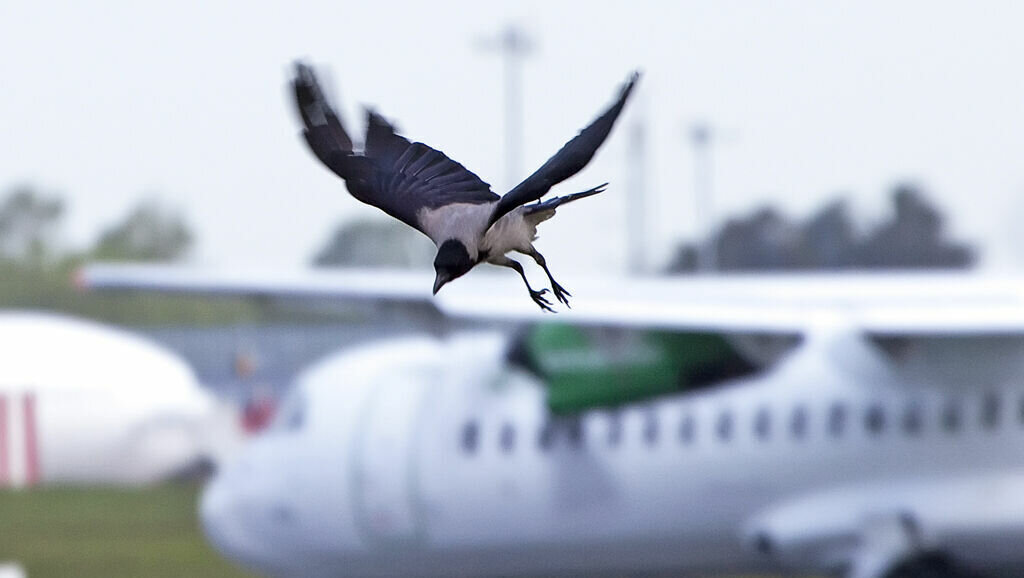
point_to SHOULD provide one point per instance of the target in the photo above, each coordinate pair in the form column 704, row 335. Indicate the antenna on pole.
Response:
column 703, row 195
column 514, row 46
column 637, row 206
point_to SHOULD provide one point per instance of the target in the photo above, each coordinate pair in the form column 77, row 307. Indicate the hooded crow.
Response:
column 430, row 192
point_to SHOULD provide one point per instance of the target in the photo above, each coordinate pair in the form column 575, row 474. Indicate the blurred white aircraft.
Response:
column 81, row 403
column 880, row 437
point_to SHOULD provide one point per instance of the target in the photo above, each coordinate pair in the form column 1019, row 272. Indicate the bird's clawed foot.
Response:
column 538, row 298
column 560, row 293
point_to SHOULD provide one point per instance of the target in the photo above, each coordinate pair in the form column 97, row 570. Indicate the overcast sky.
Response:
column 107, row 102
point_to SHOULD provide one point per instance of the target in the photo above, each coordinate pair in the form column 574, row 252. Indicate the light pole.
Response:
column 514, row 46
column 636, row 213
column 703, row 195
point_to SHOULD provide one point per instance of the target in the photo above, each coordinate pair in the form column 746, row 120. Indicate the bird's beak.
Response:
column 439, row 282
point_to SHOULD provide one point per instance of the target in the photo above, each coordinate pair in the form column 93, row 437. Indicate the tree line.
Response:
column 30, row 225
column 913, row 237
column 36, row 270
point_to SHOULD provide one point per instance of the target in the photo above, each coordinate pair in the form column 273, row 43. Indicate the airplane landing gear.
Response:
column 930, row 565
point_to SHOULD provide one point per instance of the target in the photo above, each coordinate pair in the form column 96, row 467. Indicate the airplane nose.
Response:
column 219, row 513
column 215, row 515
column 230, row 516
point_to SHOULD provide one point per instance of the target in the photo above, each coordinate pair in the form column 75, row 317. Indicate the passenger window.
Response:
column 547, row 435
column 571, row 427
column 990, row 411
column 763, row 424
column 912, row 419
column 798, row 423
column 874, row 419
column 574, row 431
column 470, row 435
column 651, row 428
column 614, row 429
column 687, row 429
column 724, row 426
column 837, row 419
column 951, row 417
column 507, row 439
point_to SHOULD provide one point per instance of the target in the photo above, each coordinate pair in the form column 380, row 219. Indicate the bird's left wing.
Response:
column 393, row 174
column 568, row 161
column 324, row 132
column 413, row 176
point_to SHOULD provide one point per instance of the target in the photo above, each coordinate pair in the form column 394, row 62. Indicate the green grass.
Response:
column 107, row 532
column 110, row 533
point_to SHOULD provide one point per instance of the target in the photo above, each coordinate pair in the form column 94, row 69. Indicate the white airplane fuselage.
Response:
column 424, row 457
column 82, row 403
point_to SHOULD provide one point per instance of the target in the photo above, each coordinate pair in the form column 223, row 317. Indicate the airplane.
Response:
column 83, row 403
column 874, row 432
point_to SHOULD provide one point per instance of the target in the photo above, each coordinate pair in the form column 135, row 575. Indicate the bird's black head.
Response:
column 452, row 262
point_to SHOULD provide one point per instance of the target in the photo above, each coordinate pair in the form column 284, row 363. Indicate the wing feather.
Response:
column 395, row 175
column 568, row 161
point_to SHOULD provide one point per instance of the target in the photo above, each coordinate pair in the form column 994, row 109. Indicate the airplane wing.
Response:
column 878, row 304
column 875, row 303
column 298, row 284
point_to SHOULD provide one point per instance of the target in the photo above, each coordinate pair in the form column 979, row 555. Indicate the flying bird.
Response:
column 430, row 192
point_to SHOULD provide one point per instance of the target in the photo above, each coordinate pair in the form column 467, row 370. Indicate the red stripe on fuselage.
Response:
column 31, row 441
column 5, row 471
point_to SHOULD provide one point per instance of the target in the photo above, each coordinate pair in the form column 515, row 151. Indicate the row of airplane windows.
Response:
column 910, row 419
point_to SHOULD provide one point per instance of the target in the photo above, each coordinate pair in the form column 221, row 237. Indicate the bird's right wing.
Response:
column 394, row 175
column 568, row 161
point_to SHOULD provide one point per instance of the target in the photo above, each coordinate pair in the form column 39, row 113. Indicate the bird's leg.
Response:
column 560, row 293
column 537, row 296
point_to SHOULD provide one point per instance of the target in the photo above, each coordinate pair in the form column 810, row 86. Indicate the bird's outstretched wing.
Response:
column 568, row 161
column 324, row 132
column 392, row 174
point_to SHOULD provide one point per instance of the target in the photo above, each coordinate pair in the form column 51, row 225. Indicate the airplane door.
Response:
column 386, row 507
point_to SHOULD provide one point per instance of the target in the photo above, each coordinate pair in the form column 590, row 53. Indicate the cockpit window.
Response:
column 292, row 415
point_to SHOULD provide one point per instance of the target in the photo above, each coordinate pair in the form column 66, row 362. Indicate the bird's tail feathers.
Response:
column 551, row 204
